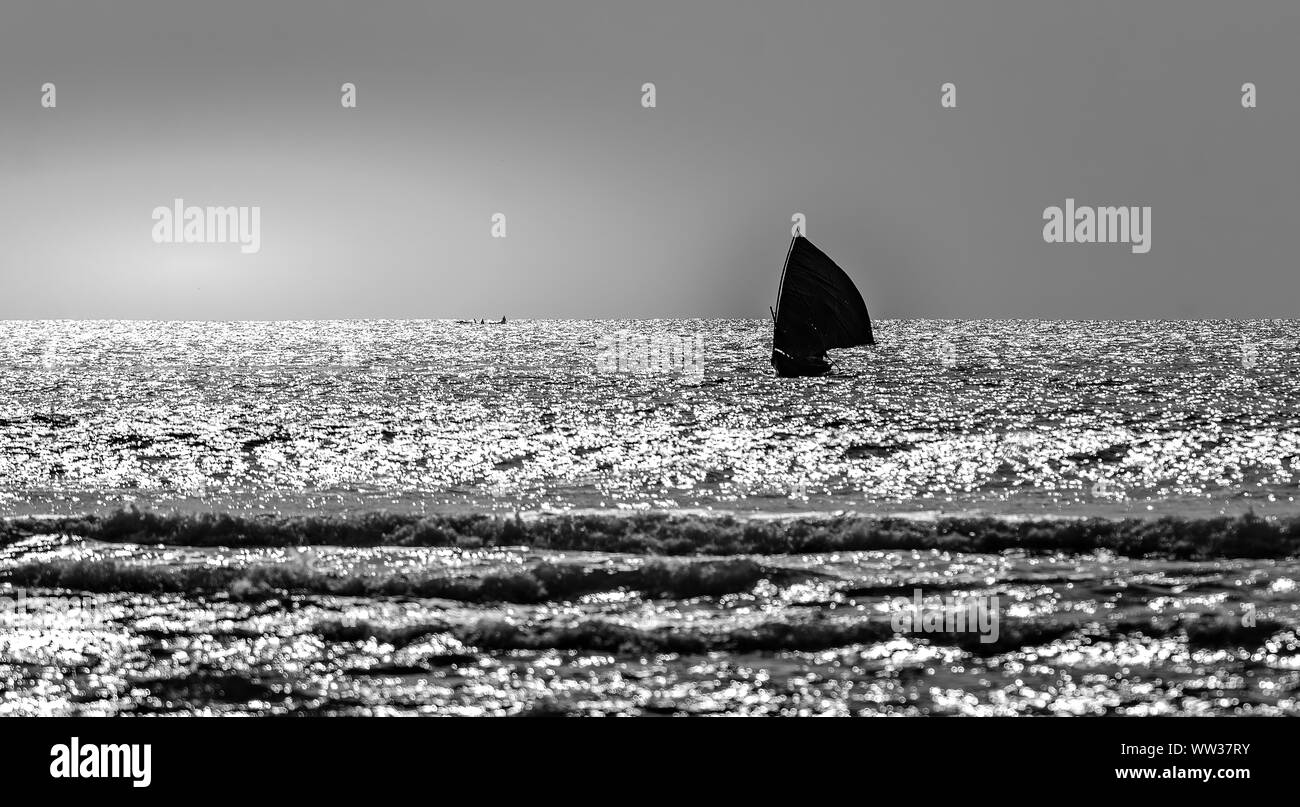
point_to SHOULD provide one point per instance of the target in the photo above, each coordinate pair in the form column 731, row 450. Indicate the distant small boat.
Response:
column 817, row 309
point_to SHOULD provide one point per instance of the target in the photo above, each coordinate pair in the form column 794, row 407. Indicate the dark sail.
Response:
column 817, row 309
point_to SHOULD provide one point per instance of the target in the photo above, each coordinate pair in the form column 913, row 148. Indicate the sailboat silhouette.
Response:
column 817, row 309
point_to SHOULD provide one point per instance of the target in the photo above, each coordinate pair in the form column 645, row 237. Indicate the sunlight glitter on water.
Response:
column 1013, row 418
column 999, row 416
column 805, row 634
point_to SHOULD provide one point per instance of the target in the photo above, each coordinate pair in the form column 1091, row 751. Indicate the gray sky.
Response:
column 533, row 109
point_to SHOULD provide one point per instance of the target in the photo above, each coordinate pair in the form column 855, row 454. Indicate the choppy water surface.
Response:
column 145, row 629
column 1004, row 416
column 1013, row 419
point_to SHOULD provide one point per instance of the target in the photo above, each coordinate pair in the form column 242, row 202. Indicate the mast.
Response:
column 785, row 267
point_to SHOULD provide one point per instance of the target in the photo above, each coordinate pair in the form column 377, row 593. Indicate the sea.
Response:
column 452, row 518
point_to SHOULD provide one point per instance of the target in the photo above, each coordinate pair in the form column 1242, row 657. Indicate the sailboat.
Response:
column 817, row 309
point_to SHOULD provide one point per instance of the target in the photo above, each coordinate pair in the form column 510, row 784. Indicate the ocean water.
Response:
column 1004, row 417
column 423, row 517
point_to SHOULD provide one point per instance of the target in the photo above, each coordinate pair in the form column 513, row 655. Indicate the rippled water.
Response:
column 323, row 611
column 999, row 416
column 202, row 630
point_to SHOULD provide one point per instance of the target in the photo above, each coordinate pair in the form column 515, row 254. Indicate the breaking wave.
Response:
column 1169, row 537
column 541, row 583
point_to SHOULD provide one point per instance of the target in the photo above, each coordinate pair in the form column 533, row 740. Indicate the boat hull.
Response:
column 794, row 367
